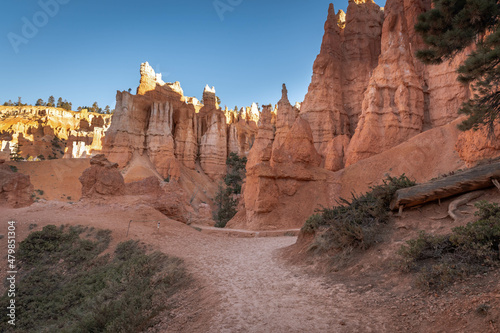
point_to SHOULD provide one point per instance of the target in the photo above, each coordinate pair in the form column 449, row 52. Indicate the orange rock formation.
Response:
column 369, row 99
column 51, row 132
column 15, row 187
column 171, row 130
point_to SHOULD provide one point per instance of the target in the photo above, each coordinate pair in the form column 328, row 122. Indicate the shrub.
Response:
column 313, row 223
column 224, row 198
column 225, row 206
column 235, row 172
column 470, row 249
column 13, row 168
column 355, row 223
column 65, row 284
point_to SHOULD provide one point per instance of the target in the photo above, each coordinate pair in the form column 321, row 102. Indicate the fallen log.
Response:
column 470, row 180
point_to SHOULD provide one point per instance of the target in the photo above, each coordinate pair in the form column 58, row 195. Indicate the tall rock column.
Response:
column 186, row 144
column 260, row 191
column 160, row 141
column 360, row 51
column 128, row 129
column 393, row 105
column 212, row 134
column 322, row 106
column 285, row 118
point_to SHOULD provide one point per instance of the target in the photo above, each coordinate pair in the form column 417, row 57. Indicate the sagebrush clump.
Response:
column 65, row 284
column 438, row 261
column 354, row 224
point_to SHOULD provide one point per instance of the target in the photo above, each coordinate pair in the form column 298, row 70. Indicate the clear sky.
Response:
column 86, row 50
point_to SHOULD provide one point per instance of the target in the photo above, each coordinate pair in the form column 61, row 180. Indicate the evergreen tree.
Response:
column 59, row 102
column 449, row 28
column 66, row 105
column 51, row 101
column 40, row 102
column 226, row 206
column 107, row 109
column 235, row 172
column 224, row 200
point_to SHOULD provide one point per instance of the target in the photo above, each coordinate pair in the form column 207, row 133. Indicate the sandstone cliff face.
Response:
column 322, row 106
column 212, row 136
column 367, row 84
column 404, row 96
column 15, row 187
column 262, row 148
column 348, row 55
column 283, row 185
column 369, row 95
column 158, row 123
column 51, row 132
column 476, row 146
column 361, row 47
column 444, row 94
column 241, row 136
column 285, row 117
column 393, row 105
column 171, row 129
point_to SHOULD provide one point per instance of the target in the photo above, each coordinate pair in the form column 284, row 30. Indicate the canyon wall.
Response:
column 368, row 91
column 172, row 130
column 369, row 97
column 47, row 132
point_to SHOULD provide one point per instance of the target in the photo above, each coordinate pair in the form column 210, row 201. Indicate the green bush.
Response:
column 313, row 223
column 224, row 202
column 225, row 206
column 66, row 284
column 235, row 172
column 470, row 249
column 355, row 223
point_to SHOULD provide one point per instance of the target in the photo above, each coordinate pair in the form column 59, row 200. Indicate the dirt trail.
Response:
column 241, row 284
column 259, row 293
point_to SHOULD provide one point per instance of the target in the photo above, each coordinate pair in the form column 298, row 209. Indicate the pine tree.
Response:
column 225, row 206
column 51, row 101
column 60, row 102
column 452, row 26
column 224, row 200
column 40, row 102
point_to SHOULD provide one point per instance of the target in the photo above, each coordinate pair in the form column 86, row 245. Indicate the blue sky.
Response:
column 85, row 51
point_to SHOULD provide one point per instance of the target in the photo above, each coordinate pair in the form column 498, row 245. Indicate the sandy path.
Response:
column 258, row 293
column 241, row 284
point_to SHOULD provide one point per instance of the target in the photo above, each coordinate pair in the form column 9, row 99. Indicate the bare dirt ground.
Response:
column 241, row 284
column 246, row 285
